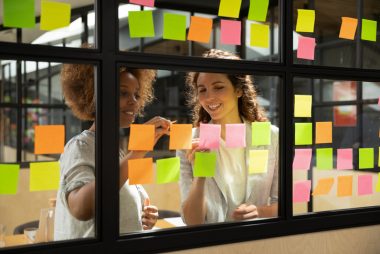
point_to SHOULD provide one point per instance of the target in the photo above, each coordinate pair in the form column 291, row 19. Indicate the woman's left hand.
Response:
column 245, row 212
column 149, row 215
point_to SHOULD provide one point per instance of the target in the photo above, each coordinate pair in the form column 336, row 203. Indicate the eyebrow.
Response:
column 213, row 83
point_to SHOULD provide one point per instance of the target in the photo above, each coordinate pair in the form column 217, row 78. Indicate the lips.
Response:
column 214, row 107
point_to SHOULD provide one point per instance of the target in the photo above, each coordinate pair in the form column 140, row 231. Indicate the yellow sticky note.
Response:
column 305, row 21
column 141, row 137
column 180, row 136
column 54, row 15
column 140, row 171
column 302, row 105
column 258, row 161
column 259, row 35
column 378, row 183
column 324, row 186
column 344, row 186
column 49, row 139
column 44, row 176
column 229, row 8
column 323, row 133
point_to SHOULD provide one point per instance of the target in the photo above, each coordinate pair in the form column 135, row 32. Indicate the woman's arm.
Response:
column 194, row 207
column 81, row 202
column 268, row 211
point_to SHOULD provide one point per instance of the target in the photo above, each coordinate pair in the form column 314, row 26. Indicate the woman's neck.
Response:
column 92, row 128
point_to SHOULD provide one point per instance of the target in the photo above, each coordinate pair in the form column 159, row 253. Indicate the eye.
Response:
column 137, row 96
column 201, row 90
column 219, row 87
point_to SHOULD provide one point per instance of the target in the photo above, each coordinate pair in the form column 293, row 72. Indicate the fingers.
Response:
column 149, row 217
column 146, row 202
column 245, row 212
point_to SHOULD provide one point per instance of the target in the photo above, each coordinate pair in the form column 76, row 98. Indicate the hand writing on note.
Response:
column 245, row 212
column 149, row 215
column 190, row 154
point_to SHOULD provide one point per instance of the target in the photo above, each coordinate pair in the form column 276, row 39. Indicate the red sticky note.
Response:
column 49, row 139
column 209, row 135
column 140, row 171
column 149, row 3
column 301, row 191
column 302, row 159
column 365, row 185
column 235, row 135
column 306, row 48
column 344, row 159
column 230, row 32
column 200, row 29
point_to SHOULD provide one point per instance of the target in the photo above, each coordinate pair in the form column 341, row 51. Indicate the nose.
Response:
column 131, row 99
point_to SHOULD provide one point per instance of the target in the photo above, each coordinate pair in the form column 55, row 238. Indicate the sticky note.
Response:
column 305, row 21
column 9, row 175
column 149, row 3
column 302, row 159
column 306, row 48
column 258, row 10
column 369, row 28
column 49, row 139
column 209, row 135
column 54, row 15
column 174, row 27
column 303, row 134
column 366, row 158
column 323, row 132
column 235, row 135
column 302, row 105
column 261, row 134
column 324, row 158
column 230, row 32
column 365, row 185
column 44, row 176
column 258, row 161
column 259, row 35
column 344, row 186
column 229, row 8
column 301, row 191
column 140, row 171
column 200, row 29
column 180, row 136
column 378, row 183
column 204, row 164
column 19, row 13
column 344, row 159
column 324, row 186
column 141, row 24
column 141, row 137
column 348, row 28
column 167, row 170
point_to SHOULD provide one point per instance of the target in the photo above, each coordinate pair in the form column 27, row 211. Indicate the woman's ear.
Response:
column 239, row 92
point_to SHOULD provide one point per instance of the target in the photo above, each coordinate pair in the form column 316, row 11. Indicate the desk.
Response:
column 169, row 223
column 15, row 240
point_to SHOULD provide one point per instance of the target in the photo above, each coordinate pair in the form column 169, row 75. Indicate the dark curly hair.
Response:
column 247, row 104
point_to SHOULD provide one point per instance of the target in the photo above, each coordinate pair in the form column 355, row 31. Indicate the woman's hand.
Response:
column 149, row 215
column 245, row 212
column 162, row 127
column 190, row 154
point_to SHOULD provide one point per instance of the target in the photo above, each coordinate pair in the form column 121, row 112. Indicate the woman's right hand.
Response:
column 162, row 127
column 190, row 154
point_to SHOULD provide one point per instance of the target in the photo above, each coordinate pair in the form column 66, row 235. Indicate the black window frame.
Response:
column 107, row 58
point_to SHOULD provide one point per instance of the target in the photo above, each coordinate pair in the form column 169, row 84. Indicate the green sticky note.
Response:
column 303, row 134
column 258, row 10
column 258, row 161
column 259, row 35
column 168, row 170
column 261, row 133
column 174, row 27
column 305, row 21
column 9, row 178
column 141, row 24
column 19, row 13
column 44, row 176
column 324, row 158
column 369, row 28
column 378, row 183
column 54, row 15
column 204, row 164
column 366, row 158
column 229, row 8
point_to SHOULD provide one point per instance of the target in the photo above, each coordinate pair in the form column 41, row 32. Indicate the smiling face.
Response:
column 218, row 97
column 129, row 99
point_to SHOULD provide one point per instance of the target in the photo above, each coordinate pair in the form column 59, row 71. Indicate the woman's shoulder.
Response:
column 84, row 140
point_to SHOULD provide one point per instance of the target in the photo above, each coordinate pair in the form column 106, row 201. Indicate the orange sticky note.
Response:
column 323, row 133
column 348, row 28
column 344, row 186
column 140, row 171
column 200, row 29
column 180, row 136
column 141, row 137
column 324, row 186
column 49, row 139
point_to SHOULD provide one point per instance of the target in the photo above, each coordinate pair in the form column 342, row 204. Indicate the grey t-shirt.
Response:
column 77, row 165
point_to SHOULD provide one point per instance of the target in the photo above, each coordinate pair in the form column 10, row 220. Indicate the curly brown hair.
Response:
column 78, row 88
column 247, row 104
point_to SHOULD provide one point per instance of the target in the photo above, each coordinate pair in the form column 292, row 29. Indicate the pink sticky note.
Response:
column 235, row 135
column 378, row 102
column 301, row 191
column 365, row 185
column 306, row 48
column 149, row 3
column 230, row 32
column 209, row 135
column 302, row 159
column 344, row 159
